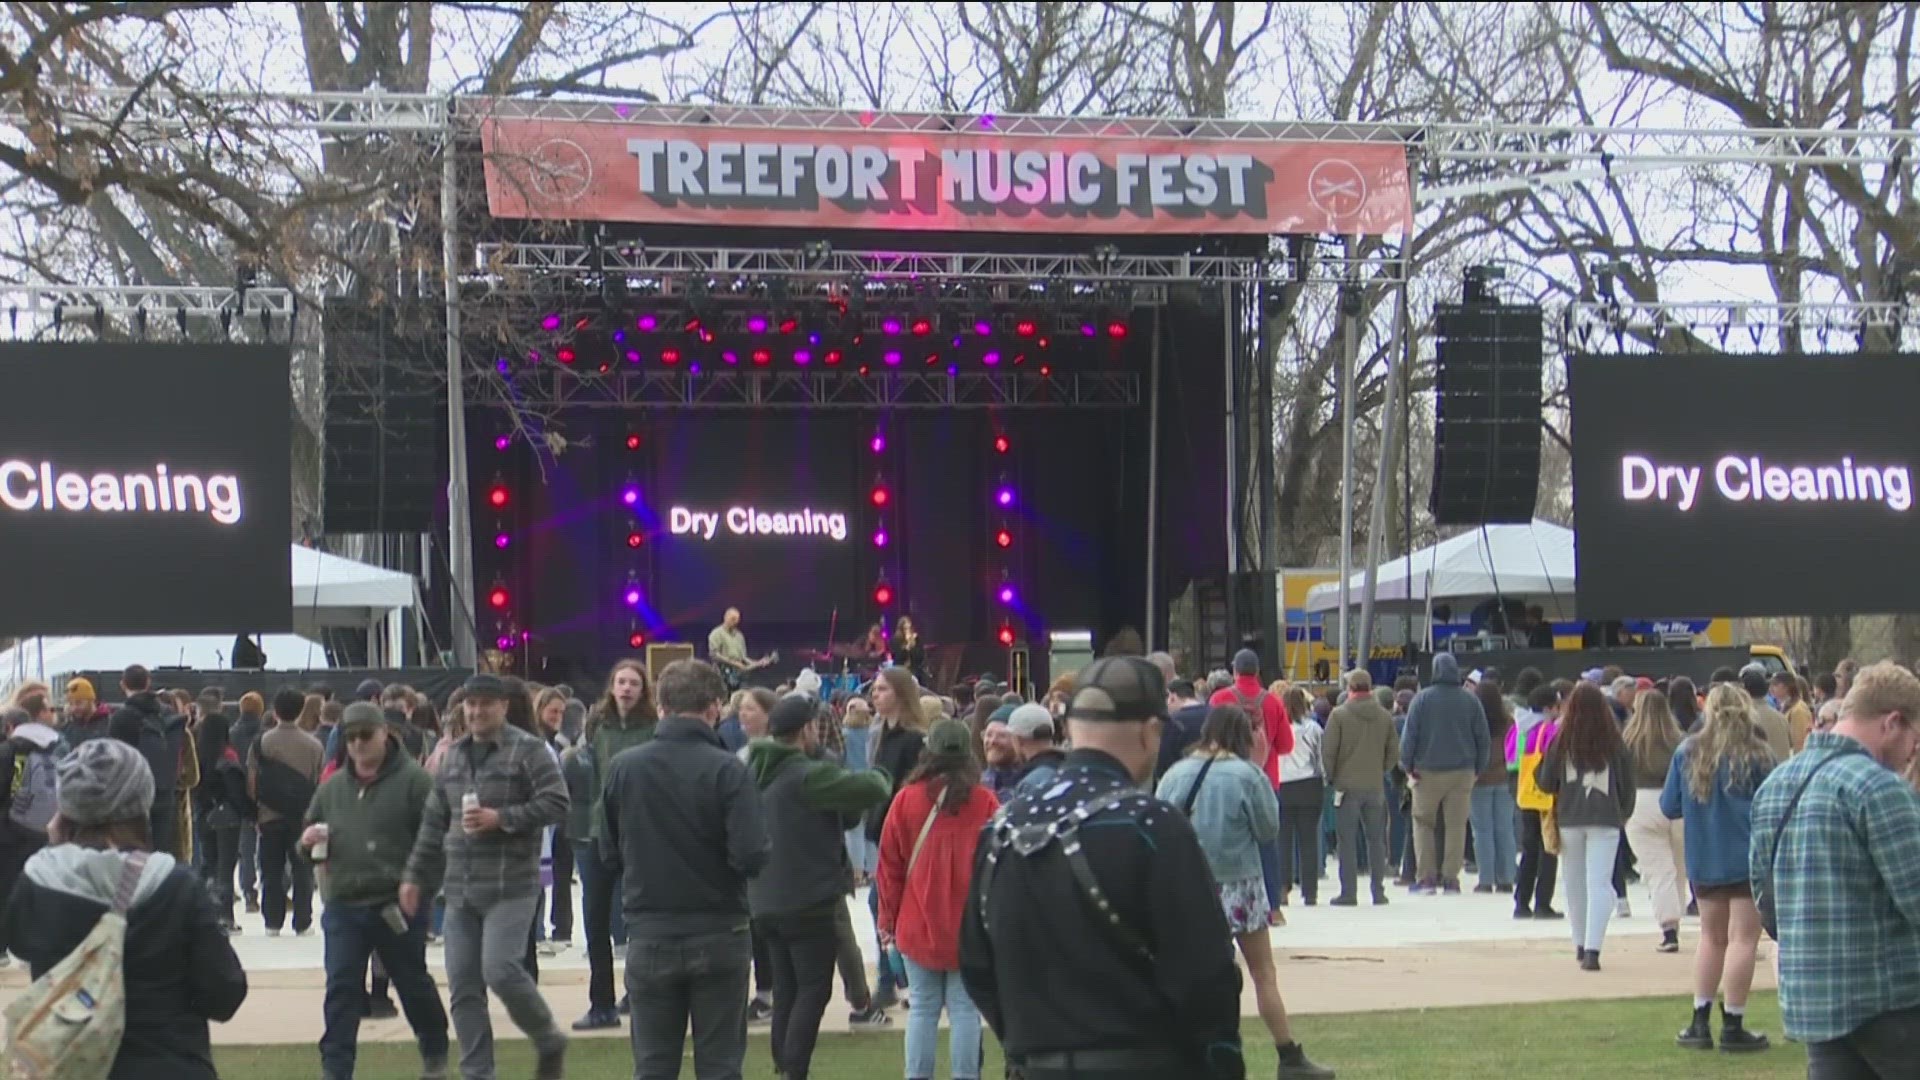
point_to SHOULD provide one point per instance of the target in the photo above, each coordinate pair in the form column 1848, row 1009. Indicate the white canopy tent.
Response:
column 1532, row 562
column 329, row 592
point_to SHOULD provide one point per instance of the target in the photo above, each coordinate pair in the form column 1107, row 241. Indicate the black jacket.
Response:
column 142, row 717
column 180, row 969
column 897, row 752
column 685, row 814
column 1182, row 731
column 1048, row 975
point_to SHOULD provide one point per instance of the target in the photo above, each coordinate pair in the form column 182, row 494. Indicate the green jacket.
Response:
column 610, row 736
column 827, row 785
column 370, row 828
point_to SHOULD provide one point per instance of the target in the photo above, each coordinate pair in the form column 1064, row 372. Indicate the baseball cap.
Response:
column 1031, row 722
column 1117, row 689
column 362, row 716
column 483, row 684
column 1473, row 677
column 790, row 714
column 949, row 737
column 1246, row 662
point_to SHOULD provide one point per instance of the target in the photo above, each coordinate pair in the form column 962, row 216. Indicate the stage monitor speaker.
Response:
column 662, row 653
column 385, row 417
column 1486, row 463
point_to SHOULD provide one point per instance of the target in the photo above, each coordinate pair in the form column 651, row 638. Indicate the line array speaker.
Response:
column 1486, row 464
column 385, row 417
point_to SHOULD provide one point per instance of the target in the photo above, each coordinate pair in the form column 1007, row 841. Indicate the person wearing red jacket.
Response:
column 1258, row 703
column 926, row 869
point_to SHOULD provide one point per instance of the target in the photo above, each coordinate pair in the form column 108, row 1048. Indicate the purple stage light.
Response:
column 502, row 540
column 757, row 324
column 982, row 328
column 504, row 642
column 952, row 370
column 880, row 538
column 502, row 365
column 1006, row 594
column 991, row 359
column 633, row 356
column 1004, row 497
column 813, row 339
column 630, row 496
column 730, row 356
column 619, row 337
column 633, row 597
column 501, row 442
column 649, row 323
column 694, row 367
column 879, row 444
column 890, row 326
column 892, row 358
column 802, row 357
column 1086, row 329
column 551, row 322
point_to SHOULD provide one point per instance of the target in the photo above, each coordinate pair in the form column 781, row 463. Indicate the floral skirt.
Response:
column 1245, row 904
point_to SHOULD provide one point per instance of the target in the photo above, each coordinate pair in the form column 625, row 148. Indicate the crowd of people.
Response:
column 719, row 837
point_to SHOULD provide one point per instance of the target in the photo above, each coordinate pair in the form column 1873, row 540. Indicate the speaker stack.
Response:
column 385, row 418
column 1487, row 429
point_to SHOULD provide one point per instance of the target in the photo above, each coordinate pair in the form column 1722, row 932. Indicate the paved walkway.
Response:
column 1415, row 952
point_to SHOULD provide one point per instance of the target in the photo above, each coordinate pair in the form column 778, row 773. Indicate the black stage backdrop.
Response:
column 1079, row 560
column 89, row 438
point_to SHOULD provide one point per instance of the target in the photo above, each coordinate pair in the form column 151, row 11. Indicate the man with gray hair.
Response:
column 1164, row 661
column 1217, row 680
column 685, row 814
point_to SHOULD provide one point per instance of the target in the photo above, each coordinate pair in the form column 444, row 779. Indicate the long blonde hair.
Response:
column 1728, row 737
column 1652, row 735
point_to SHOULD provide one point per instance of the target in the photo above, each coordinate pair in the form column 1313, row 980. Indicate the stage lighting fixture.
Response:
column 763, row 357
column 880, row 496
column 551, row 322
column 582, row 323
column 1004, row 496
column 756, row 324
column 566, row 355
column 880, row 538
column 605, row 367
column 636, row 639
column 1026, row 328
column 922, row 326
column 1006, row 635
column 498, row 496
column 1001, row 444
column 498, row 597
column 633, row 356
column 504, row 642
column 1003, row 538
column 1046, row 370
column 649, row 323
column 789, row 324
column 991, row 359
column 730, row 356
column 834, row 356
column 1087, row 330
column 982, row 328
column 633, row 440
column 632, row 596
column 501, row 442
column 1006, row 594
column 669, row 355
column 634, row 539
column 503, row 365
column 1117, row 330
column 878, row 444
column 892, row 357
column 883, row 594
column 501, row 540
column 932, row 358
column 630, row 494
column 619, row 337
column 692, row 325
column 891, row 326
column 802, row 357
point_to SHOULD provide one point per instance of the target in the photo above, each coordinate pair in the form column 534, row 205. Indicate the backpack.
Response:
column 68, row 1024
column 33, row 789
column 283, row 789
column 161, row 757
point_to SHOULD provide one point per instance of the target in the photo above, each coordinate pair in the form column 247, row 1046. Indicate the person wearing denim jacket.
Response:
column 1234, row 812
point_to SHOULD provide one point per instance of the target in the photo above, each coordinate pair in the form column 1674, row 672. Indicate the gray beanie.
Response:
column 103, row 781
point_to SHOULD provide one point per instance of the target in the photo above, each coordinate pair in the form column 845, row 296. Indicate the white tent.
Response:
column 44, row 658
column 330, row 591
column 1530, row 562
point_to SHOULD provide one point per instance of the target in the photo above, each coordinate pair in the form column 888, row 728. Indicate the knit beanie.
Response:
column 103, row 781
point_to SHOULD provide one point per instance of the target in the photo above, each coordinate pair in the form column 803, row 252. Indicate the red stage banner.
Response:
column 940, row 182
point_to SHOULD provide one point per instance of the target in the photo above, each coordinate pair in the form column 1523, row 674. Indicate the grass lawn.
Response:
column 1608, row 1040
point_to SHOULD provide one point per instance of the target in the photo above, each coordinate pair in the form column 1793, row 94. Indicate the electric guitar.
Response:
column 736, row 676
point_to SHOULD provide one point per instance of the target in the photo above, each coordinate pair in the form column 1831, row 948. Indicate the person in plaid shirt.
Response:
column 488, row 856
column 1845, row 883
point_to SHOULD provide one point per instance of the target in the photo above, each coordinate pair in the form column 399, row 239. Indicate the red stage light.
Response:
column 789, row 324
column 1045, row 369
column 633, row 442
column 583, row 322
column 1026, row 328
column 834, row 356
column 763, row 356
column 1006, row 635
column 669, row 356
column 498, row 496
column 636, row 639
column 566, row 355
column 692, row 325
column 498, row 597
column 1001, row 445
column 880, row 496
column 1003, row 538
column 1117, row 330
column 922, row 326
column 634, row 539
column 883, row 594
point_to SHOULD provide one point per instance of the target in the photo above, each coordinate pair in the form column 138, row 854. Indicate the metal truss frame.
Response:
column 1587, row 322
column 811, row 390
column 661, row 263
column 153, row 112
column 49, row 305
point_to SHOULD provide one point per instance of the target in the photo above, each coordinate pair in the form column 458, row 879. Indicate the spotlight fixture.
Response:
column 1003, row 537
column 502, row 541
column 502, row 442
column 1006, row 635
column 633, row 440
column 636, row 639
column 630, row 494
column 498, row 597
column 1004, row 496
column 497, row 498
column 634, row 539
column 1001, row 444
column 883, row 592
column 880, row 537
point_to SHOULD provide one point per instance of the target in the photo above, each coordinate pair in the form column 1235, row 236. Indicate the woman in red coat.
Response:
column 926, row 867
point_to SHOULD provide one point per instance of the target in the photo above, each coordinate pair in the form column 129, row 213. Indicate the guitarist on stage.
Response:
column 727, row 650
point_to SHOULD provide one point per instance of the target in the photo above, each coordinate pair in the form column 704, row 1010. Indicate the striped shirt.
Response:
column 1847, row 887
column 516, row 776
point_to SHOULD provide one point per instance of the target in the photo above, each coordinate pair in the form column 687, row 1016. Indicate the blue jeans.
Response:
column 355, row 932
column 933, row 990
column 1399, row 827
column 1270, row 871
column 1491, row 812
column 892, row 966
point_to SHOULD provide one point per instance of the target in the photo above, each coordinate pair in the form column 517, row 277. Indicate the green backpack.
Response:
column 68, row 1024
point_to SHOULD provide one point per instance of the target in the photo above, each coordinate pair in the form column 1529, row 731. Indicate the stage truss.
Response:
column 28, row 311
column 814, row 390
column 1735, row 326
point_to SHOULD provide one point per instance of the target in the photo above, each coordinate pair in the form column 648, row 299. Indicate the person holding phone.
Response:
column 359, row 832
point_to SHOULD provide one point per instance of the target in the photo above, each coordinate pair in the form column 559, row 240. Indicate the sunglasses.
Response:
column 363, row 735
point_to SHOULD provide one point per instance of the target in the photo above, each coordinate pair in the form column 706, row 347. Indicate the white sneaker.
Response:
column 1621, row 910
column 271, row 932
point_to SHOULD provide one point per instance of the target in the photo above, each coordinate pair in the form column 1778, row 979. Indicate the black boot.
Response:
column 1295, row 1066
column 1591, row 961
column 1734, row 1036
column 1669, row 940
column 1699, row 1034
